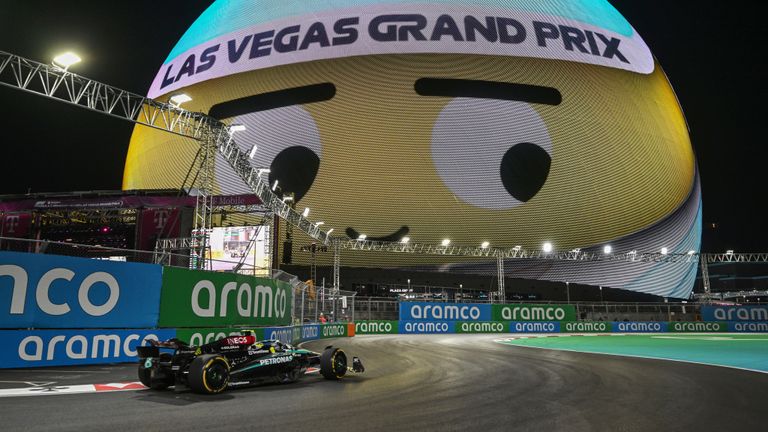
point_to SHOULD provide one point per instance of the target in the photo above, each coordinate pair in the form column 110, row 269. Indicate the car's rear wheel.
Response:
column 333, row 363
column 209, row 374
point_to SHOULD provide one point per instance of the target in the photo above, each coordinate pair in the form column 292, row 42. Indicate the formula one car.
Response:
column 235, row 361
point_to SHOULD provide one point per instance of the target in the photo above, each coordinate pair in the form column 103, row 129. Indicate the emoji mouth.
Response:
column 395, row 236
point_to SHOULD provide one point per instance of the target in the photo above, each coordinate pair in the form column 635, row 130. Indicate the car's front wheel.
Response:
column 333, row 363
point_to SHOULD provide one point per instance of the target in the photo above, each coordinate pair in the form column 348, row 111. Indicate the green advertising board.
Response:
column 586, row 327
column 696, row 327
column 192, row 298
column 481, row 327
column 201, row 336
column 334, row 330
column 532, row 312
column 376, row 327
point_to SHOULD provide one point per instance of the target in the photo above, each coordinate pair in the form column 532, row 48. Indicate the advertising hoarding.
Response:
column 51, row 291
column 211, row 299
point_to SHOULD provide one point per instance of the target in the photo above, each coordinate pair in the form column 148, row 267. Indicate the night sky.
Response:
column 711, row 50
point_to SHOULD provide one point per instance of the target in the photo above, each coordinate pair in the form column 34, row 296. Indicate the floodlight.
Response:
column 237, row 127
column 691, row 252
column 547, row 247
column 485, row 245
column 664, row 251
column 362, row 237
column 446, row 242
column 66, row 60
column 180, row 99
column 405, row 240
column 607, row 249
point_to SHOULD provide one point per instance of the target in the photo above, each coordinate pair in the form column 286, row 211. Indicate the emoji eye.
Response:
column 490, row 153
column 292, row 153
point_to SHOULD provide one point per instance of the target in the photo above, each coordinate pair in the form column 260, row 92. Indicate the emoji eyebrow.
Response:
column 276, row 99
column 487, row 90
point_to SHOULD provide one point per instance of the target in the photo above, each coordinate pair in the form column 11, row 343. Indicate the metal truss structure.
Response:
column 709, row 296
column 59, row 84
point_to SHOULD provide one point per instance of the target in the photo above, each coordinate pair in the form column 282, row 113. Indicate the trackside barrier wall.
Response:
column 431, row 311
column 50, row 291
column 53, row 347
column 735, row 313
column 192, row 298
column 437, row 327
column 35, row 348
column 87, row 311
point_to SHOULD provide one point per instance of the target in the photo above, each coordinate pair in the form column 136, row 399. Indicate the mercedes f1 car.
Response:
column 235, row 361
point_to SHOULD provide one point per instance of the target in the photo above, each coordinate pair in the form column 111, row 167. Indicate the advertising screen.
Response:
column 512, row 122
column 231, row 246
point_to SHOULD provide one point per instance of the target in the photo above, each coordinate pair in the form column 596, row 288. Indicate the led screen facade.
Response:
column 516, row 122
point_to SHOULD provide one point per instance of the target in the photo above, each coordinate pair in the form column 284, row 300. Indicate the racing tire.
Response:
column 333, row 363
column 145, row 375
column 209, row 374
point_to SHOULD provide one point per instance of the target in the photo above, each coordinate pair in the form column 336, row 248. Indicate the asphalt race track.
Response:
column 415, row 383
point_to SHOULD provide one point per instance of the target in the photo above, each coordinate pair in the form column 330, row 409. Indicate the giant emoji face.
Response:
column 509, row 121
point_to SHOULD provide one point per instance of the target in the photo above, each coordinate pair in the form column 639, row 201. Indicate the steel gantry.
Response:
column 214, row 136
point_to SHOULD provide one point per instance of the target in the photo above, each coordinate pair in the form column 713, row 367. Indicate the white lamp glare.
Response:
column 691, row 252
column 664, row 251
column 237, row 127
column 485, row 245
column 66, row 60
column 405, row 240
column 547, row 247
column 607, row 249
column 362, row 237
column 180, row 99
column 446, row 242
